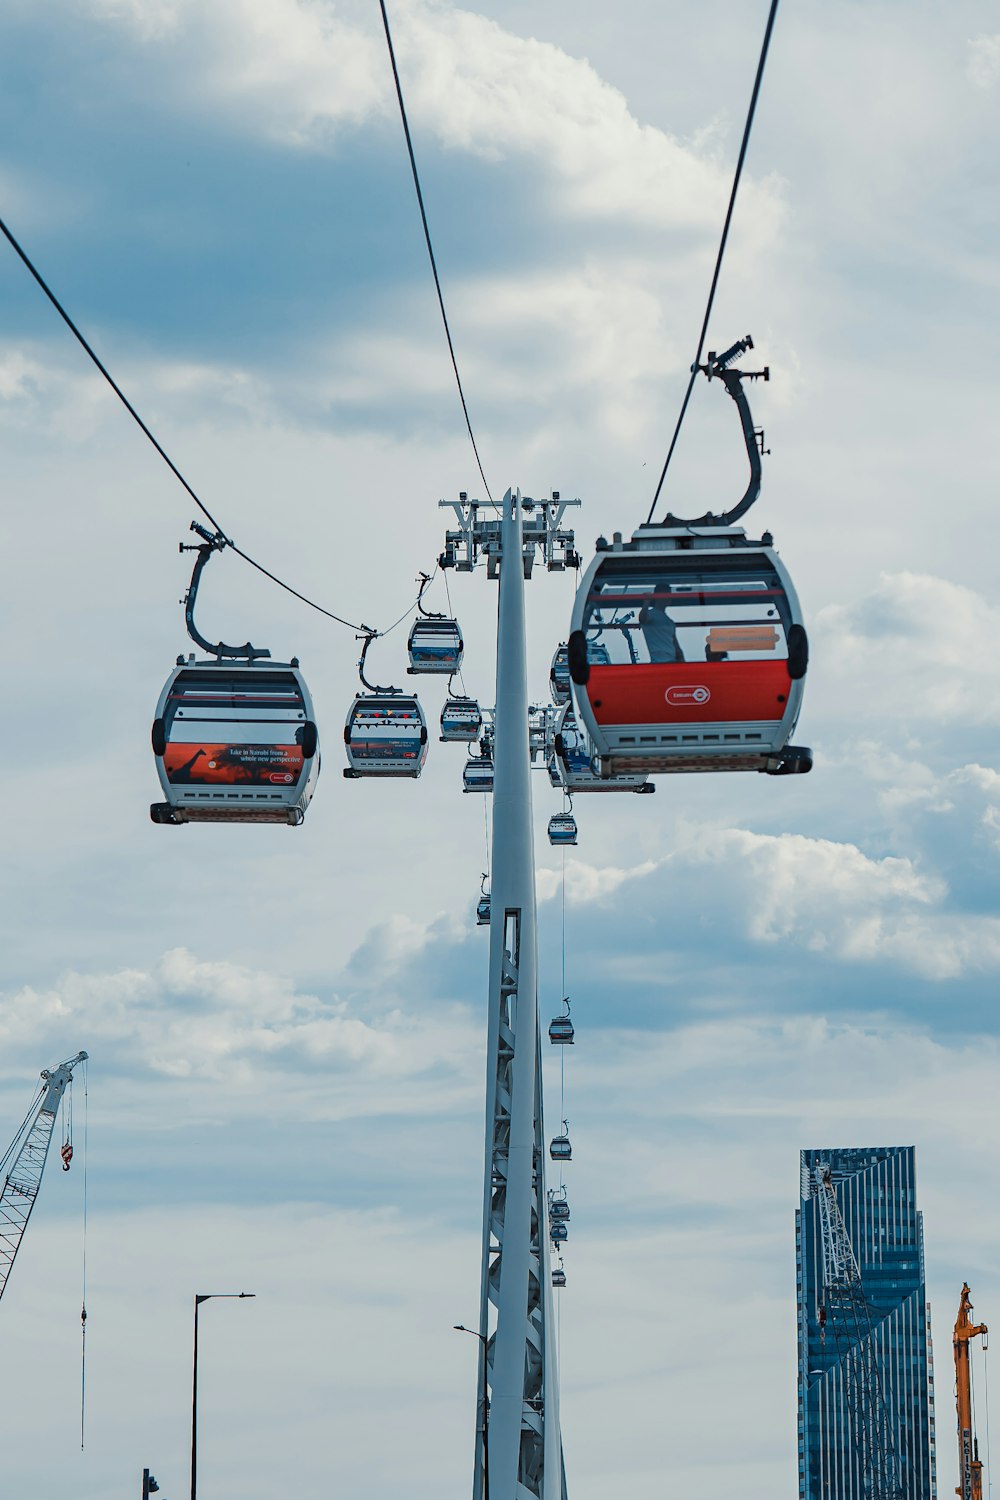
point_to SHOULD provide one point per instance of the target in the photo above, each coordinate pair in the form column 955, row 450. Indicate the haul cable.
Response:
column 430, row 247
column 224, row 537
column 722, row 250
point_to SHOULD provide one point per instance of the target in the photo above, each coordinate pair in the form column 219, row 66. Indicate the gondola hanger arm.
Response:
column 211, row 543
column 720, row 367
column 368, row 637
column 429, row 614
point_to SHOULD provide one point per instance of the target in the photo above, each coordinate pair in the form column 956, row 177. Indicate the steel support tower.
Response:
column 519, row 1443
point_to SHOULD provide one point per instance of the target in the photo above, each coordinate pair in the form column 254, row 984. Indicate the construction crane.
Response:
column 970, row 1469
column 24, row 1161
column 844, row 1309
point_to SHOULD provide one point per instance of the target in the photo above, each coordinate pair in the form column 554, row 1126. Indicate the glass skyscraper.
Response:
column 876, row 1191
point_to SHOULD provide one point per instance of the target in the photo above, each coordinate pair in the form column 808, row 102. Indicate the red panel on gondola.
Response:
column 689, row 692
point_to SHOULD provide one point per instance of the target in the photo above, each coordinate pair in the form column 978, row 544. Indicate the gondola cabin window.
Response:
column 232, row 730
column 682, row 615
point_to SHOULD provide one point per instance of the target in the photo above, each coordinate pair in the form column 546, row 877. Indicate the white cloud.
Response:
column 586, row 883
column 964, row 801
column 55, row 392
column 493, row 92
column 297, row 69
column 390, row 947
column 823, row 896
column 984, row 60
column 915, row 646
column 211, row 1023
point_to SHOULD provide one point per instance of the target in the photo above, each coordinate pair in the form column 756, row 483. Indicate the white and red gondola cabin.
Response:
column 688, row 653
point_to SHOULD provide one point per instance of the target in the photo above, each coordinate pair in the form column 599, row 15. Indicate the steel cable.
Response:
column 430, row 247
column 722, row 250
column 986, row 1398
column 83, row 1302
column 96, row 360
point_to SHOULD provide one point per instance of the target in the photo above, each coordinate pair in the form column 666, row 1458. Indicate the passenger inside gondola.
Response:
column 687, row 614
column 660, row 633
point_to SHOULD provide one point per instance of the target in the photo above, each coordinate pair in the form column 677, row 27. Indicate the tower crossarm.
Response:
column 24, row 1162
column 479, row 534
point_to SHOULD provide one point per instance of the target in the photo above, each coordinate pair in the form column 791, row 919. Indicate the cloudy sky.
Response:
column 286, row 1028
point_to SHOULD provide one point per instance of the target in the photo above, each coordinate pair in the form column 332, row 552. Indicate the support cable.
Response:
column 407, row 612
column 562, row 1090
column 562, row 1050
column 95, row 359
column 451, row 612
column 430, row 247
column 972, row 1394
column 83, row 1305
column 986, row 1398
column 722, row 250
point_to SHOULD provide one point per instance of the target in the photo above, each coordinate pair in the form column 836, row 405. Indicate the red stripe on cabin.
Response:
column 668, row 692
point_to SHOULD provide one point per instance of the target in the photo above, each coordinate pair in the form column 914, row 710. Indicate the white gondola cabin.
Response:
column 235, row 742
column 435, row 645
column 558, row 1276
column 562, row 829
column 571, row 766
column 461, row 721
column 477, row 774
column 558, row 1234
column 559, row 685
column 560, row 1148
column 561, row 1033
column 688, row 653
column 385, row 735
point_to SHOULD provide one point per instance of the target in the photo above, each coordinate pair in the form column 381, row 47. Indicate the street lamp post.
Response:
column 461, row 1328
column 201, row 1297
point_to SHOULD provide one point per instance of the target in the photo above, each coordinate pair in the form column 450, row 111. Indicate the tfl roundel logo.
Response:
column 685, row 697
